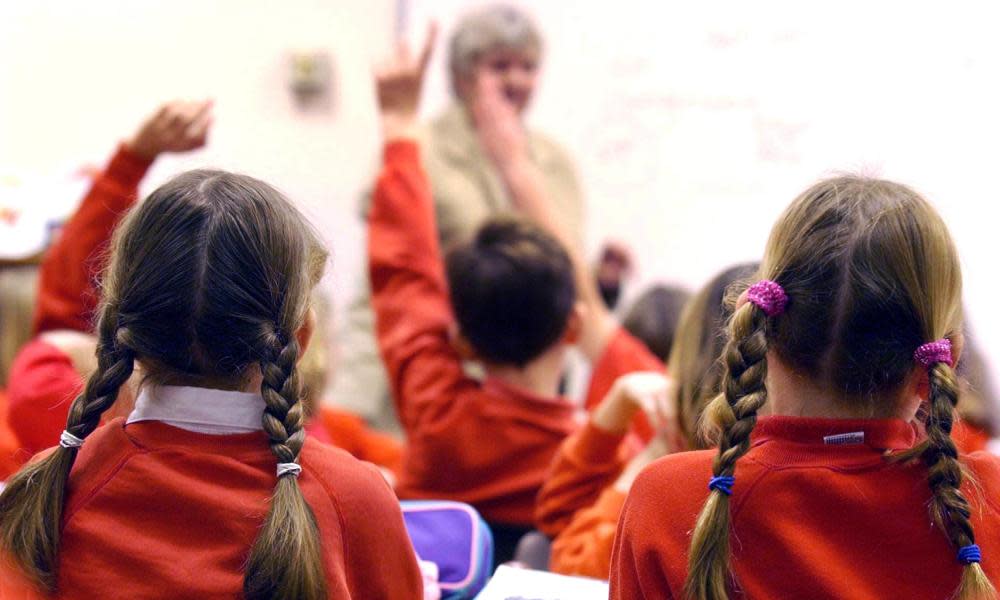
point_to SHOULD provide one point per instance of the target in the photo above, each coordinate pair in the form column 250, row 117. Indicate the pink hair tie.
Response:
column 769, row 296
column 934, row 352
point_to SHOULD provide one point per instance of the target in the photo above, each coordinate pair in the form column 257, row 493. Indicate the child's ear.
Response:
column 303, row 335
column 461, row 344
column 574, row 323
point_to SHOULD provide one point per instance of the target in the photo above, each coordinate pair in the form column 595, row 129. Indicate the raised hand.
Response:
column 398, row 84
column 178, row 126
column 646, row 391
column 497, row 122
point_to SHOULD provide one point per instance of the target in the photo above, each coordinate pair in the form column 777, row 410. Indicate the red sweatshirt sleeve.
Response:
column 409, row 291
column 587, row 462
column 66, row 293
column 41, row 386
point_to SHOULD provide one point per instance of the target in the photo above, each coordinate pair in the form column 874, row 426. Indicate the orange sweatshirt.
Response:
column 588, row 463
column 810, row 519
column 591, row 459
column 349, row 432
column 42, row 381
column 484, row 443
column 154, row 511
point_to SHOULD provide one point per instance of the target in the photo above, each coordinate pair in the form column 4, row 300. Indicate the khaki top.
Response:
column 467, row 188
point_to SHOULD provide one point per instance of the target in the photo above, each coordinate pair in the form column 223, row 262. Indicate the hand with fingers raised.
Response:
column 398, row 84
column 177, row 126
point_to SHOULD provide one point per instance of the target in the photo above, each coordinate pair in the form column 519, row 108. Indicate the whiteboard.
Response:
column 694, row 124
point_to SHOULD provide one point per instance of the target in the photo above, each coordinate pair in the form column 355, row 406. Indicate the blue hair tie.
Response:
column 969, row 554
column 724, row 483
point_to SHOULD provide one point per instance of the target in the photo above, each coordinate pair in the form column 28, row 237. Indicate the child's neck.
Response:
column 793, row 394
column 541, row 376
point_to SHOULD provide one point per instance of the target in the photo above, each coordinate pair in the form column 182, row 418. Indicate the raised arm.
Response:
column 505, row 141
column 413, row 316
column 67, row 294
column 48, row 372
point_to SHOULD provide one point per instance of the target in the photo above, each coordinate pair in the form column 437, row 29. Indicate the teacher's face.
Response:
column 517, row 70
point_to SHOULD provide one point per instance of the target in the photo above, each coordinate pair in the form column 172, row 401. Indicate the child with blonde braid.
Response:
column 854, row 323
column 210, row 488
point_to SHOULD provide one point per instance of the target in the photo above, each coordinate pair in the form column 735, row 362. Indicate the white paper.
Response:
column 509, row 583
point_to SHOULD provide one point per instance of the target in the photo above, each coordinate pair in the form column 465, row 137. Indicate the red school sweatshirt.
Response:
column 810, row 519
column 154, row 511
column 591, row 459
column 42, row 380
column 484, row 443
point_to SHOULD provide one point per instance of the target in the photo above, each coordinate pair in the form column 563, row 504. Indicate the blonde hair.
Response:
column 18, row 287
column 871, row 274
column 314, row 365
column 209, row 279
column 694, row 355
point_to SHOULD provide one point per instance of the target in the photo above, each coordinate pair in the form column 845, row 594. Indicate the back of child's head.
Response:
column 870, row 274
column 208, row 282
column 512, row 290
column 694, row 355
column 654, row 316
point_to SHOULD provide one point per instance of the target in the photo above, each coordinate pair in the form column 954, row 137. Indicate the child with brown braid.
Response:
column 855, row 322
column 210, row 488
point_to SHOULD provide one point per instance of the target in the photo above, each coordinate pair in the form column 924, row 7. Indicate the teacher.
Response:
column 468, row 188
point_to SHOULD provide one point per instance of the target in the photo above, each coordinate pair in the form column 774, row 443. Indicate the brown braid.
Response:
column 31, row 504
column 745, row 358
column 286, row 558
column 948, row 508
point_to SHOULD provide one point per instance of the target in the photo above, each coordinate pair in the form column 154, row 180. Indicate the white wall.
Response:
column 77, row 77
column 693, row 124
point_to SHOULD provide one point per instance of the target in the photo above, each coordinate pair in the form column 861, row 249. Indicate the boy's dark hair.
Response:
column 512, row 290
column 654, row 316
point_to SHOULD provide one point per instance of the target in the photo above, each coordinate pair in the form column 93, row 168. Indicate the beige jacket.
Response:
column 467, row 191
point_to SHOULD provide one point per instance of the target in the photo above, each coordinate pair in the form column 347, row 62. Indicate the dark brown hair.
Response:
column 209, row 281
column 871, row 274
column 654, row 316
column 512, row 290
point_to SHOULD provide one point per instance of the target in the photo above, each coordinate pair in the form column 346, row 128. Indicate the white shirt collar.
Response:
column 203, row 410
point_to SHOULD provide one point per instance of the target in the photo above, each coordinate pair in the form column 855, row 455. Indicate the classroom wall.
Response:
column 693, row 125
column 77, row 77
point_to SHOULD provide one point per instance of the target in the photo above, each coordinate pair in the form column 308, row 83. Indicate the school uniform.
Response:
column 349, row 432
column 167, row 504
column 813, row 516
column 42, row 381
column 482, row 442
column 592, row 459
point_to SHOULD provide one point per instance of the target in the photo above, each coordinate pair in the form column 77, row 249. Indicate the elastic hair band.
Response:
column 769, row 296
column 969, row 554
column 723, row 483
column 68, row 440
column 934, row 352
column 289, row 469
